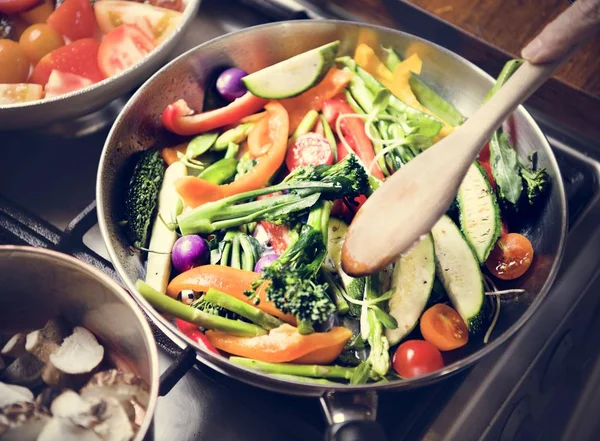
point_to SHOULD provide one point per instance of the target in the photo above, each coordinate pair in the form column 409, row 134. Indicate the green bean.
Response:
column 221, row 171
column 330, row 138
column 306, row 125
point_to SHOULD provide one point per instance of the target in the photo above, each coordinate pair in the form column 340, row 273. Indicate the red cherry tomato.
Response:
column 79, row 58
column 74, row 19
column 16, row 6
column 484, row 161
column 195, row 334
column 511, row 257
column 61, row 83
column 309, row 149
column 122, row 48
column 417, row 357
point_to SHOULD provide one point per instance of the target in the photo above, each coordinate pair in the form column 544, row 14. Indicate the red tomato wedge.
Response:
column 79, row 58
column 74, row 19
column 279, row 236
column 157, row 23
column 309, row 149
column 16, row 6
column 353, row 130
column 20, row 93
column 60, row 83
column 122, row 48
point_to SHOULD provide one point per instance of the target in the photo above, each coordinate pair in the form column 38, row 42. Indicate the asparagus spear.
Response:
column 250, row 312
column 300, row 370
column 171, row 306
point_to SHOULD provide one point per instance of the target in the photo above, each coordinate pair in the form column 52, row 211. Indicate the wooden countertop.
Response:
column 488, row 33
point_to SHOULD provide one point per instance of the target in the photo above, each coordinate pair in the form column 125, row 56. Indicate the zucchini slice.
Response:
column 412, row 282
column 162, row 239
column 354, row 287
column 479, row 214
column 293, row 76
column 458, row 269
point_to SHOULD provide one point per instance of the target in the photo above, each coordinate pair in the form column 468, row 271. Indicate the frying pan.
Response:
column 350, row 409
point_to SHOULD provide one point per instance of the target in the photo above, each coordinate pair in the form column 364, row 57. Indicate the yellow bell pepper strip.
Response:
column 398, row 81
column 180, row 118
column 285, row 344
column 229, row 280
column 195, row 191
column 330, row 86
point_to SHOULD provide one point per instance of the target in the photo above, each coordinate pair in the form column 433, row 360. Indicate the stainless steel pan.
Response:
column 38, row 285
column 138, row 127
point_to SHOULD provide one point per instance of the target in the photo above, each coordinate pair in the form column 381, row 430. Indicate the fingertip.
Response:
column 532, row 50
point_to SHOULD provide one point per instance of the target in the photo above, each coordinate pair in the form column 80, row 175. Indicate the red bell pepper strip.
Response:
column 179, row 118
column 195, row 334
column 353, row 131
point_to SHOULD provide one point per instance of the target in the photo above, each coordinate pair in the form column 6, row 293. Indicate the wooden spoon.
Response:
column 412, row 200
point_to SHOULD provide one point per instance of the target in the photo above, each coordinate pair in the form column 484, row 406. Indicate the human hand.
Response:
column 574, row 26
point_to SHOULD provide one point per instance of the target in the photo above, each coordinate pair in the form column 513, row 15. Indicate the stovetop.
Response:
column 47, row 185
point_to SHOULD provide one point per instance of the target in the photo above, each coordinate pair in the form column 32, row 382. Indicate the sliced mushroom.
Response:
column 79, row 355
column 47, row 396
column 63, row 429
column 15, row 347
column 56, row 330
column 22, row 421
column 125, row 387
column 11, row 394
column 88, row 419
column 24, row 371
column 40, row 346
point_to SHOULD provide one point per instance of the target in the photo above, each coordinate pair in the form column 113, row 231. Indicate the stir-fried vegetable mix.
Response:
column 244, row 221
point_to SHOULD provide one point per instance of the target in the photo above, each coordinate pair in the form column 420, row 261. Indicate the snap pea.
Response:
column 237, row 135
column 249, row 255
column 330, row 138
column 306, row 125
column 347, row 62
column 361, row 94
column 221, row 171
column 236, row 252
column 353, row 103
column 232, row 150
column 200, row 144
column 509, row 68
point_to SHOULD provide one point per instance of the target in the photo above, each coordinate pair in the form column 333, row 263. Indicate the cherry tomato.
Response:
column 15, row 6
column 342, row 151
column 14, row 64
column 74, row 19
column 192, row 331
column 122, row 48
column 20, row 93
column 444, row 328
column 39, row 14
column 61, row 83
column 39, row 40
column 79, row 57
column 511, row 257
column 417, row 357
column 309, row 149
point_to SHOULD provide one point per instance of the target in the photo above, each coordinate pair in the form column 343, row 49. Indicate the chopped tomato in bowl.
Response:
column 69, row 45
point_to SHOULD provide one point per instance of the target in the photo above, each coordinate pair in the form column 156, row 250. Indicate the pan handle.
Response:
column 352, row 417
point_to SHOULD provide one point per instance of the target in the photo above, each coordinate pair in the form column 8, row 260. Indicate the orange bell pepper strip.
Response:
column 169, row 154
column 331, row 85
column 196, row 191
column 180, row 118
column 285, row 344
column 228, row 280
